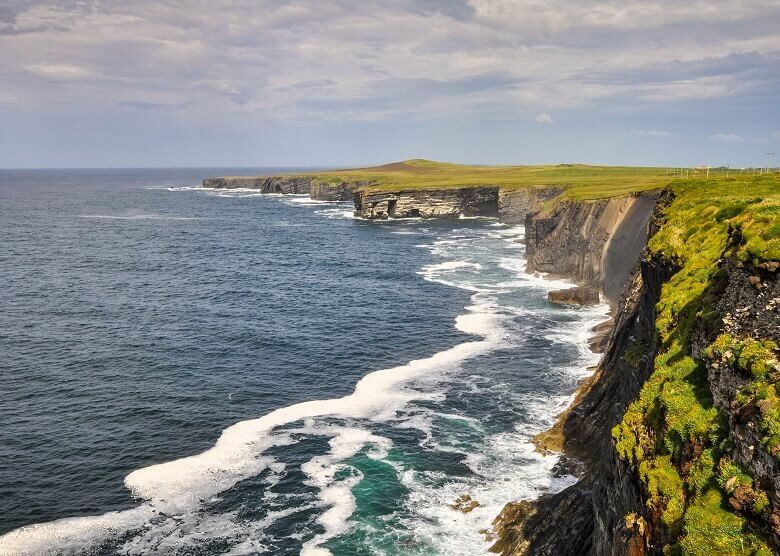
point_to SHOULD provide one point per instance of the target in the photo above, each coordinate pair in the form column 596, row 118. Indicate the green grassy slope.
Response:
column 673, row 434
column 581, row 181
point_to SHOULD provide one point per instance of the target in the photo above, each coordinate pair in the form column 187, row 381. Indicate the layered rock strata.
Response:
column 431, row 203
column 515, row 204
column 265, row 184
column 317, row 188
column 594, row 243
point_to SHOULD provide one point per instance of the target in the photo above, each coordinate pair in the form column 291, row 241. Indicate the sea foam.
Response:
column 506, row 465
column 181, row 486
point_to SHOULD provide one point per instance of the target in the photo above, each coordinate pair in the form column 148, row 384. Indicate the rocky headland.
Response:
column 427, row 203
column 317, row 188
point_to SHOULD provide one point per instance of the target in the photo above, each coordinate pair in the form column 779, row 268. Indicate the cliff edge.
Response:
column 594, row 243
column 678, row 431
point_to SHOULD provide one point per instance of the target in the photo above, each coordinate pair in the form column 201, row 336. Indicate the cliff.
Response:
column 677, row 434
column 379, row 202
column 515, row 204
column 447, row 203
column 316, row 187
column 265, row 184
column 595, row 243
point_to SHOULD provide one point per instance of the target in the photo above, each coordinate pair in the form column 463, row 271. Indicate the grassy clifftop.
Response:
column 580, row 181
column 674, row 435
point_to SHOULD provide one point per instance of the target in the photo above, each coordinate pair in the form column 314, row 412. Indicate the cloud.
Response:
column 544, row 118
column 728, row 137
column 458, row 9
column 648, row 66
column 145, row 105
column 513, row 56
column 775, row 135
column 653, row 133
column 59, row 71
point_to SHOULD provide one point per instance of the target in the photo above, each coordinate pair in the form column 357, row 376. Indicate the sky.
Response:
column 315, row 83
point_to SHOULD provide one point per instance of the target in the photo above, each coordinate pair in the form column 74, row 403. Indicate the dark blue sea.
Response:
column 186, row 371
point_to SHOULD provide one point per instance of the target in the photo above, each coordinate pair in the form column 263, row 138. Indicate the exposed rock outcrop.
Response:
column 317, row 188
column 428, row 203
column 515, row 204
column 584, row 295
column 748, row 302
column 594, row 243
column 557, row 525
column 465, row 504
column 335, row 190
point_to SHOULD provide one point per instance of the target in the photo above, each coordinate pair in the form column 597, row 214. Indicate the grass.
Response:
column 712, row 529
column 580, row 181
column 673, row 434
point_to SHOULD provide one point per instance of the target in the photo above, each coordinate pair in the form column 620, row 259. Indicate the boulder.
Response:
column 574, row 296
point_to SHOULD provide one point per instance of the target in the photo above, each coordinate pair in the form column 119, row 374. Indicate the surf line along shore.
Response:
column 597, row 244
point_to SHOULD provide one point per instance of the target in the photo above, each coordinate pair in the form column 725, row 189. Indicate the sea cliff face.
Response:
column 594, row 243
column 372, row 203
column 265, row 184
column 515, row 204
column 431, row 203
column 319, row 189
column 675, row 434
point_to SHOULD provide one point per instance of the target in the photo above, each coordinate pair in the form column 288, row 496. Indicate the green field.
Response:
column 581, row 181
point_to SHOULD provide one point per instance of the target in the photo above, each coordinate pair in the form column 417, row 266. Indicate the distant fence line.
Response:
column 705, row 171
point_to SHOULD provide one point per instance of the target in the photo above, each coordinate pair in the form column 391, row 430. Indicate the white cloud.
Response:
column 728, row 137
column 60, row 71
column 653, row 133
column 224, row 56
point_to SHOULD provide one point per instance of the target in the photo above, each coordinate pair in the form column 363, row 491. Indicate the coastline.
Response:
column 592, row 244
column 589, row 243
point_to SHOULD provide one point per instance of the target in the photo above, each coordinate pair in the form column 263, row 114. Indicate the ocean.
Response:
column 188, row 371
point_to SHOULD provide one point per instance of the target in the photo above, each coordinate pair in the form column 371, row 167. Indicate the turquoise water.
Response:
column 201, row 372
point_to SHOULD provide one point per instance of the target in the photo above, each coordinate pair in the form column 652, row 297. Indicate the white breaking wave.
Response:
column 180, row 486
column 337, row 494
column 307, row 201
column 340, row 213
column 505, row 466
column 449, row 265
